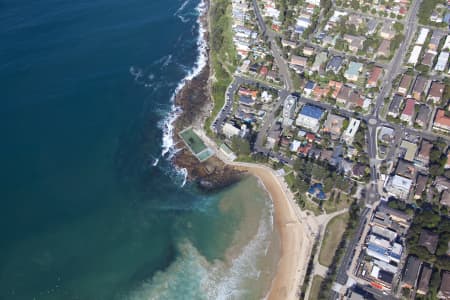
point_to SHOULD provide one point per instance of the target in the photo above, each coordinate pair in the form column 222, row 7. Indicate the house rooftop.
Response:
column 429, row 240
column 411, row 271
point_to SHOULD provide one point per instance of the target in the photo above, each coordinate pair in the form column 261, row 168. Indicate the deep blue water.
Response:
column 85, row 87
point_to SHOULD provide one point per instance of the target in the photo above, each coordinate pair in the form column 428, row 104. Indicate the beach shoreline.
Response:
column 194, row 101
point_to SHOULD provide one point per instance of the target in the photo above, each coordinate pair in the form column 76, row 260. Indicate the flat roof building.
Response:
column 414, row 57
column 351, row 130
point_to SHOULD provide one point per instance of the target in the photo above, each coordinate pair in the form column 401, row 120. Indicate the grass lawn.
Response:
column 312, row 207
column 334, row 204
column 290, row 180
column 333, row 235
column 315, row 287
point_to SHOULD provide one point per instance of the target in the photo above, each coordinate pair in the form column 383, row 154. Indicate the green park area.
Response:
column 315, row 287
column 332, row 238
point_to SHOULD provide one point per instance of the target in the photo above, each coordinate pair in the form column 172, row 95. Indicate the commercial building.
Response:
column 309, row 117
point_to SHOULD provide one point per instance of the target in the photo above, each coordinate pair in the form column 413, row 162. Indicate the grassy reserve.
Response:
column 333, row 235
column 222, row 54
column 315, row 287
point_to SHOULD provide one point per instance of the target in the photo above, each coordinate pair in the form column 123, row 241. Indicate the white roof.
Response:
column 397, row 249
column 385, row 266
column 442, row 61
column 379, row 242
column 294, row 146
column 422, row 36
column 401, row 183
column 352, row 128
column 375, row 271
column 447, row 43
column 415, row 55
column 384, row 232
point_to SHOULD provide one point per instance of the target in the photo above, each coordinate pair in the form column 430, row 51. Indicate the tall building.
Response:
column 289, row 107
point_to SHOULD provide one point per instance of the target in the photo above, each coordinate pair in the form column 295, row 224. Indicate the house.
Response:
column 319, row 61
column 424, row 280
column 355, row 42
column 445, row 198
column 335, row 64
column 409, row 110
column 411, row 272
column 444, row 289
column 415, row 53
column 249, row 93
column 423, row 116
column 309, row 87
column 263, row 71
column 410, row 149
column 372, row 25
column 287, row 43
column 387, row 31
column 436, row 92
column 428, row 58
column 405, row 169
column 420, row 88
column 229, row 130
column 351, row 130
column 320, row 92
column 246, row 100
column 442, row 62
column 423, row 34
column 308, row 51
column 384, row 49
column 405, row 83
column 333, row 125
column 374, row 77
column 423, row 156
column 335, row 88
column 435, row 40
column 441, row 183
column 355, row 20
column 399, row 186
column 309, row 117
column 349, row 96
column 421, row 185
column 359, row 170
column 394, row 106
column 298, row 61
column 447, row 43
column 429, row 240
column 353, row 71
column 441, row 121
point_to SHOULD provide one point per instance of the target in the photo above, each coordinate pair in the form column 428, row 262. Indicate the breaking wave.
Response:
column 195, row 277
column 168, row 147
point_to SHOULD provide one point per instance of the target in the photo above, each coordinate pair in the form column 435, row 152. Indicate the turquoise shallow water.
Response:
column 85, row 88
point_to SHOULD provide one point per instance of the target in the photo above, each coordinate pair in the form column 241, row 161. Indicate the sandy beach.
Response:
column 295, row 244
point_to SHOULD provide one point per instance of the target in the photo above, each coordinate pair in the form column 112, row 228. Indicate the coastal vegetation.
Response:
column 223, row 57
column 333, row 235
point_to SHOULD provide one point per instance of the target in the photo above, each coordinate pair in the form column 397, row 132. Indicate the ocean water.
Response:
column 90, row 208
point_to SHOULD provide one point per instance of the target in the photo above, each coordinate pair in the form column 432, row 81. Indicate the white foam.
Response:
column 193, row 276
column 183, row 19
column 168, row 147
column 155, row 162
column 183, row 5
